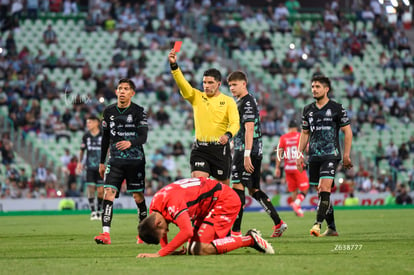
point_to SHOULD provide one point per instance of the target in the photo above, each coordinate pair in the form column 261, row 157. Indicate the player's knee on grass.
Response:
column 196, row 248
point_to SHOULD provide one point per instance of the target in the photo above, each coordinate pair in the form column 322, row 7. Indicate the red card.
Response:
column 177, row 46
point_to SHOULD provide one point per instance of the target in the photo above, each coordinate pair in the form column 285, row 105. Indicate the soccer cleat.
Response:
column 297, row 209
column 139, row 241
column 95, row 216
column 316, row 230
column 279, row 229
column 260, row 244
column 236, row 234
column 103, row 238
column 329, row 233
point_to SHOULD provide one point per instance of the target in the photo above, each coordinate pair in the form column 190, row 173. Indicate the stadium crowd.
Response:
column 334, row 37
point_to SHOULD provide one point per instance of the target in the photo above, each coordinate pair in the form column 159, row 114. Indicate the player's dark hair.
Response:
column 237, row 75
column 293, row 124
column 147, row 230
column 213, row 73
column 94, row 118
column 323, row 80
column 129, row 81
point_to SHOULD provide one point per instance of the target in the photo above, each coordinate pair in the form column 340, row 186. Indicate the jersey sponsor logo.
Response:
column 222, row 103
column 248, row 103
column 344, row 119
column 332, row 172
column 327, row 119
column 112, row 117
column 104, row 124
column 219, row 172
column 311, row 114
column 330, row 164
column 199, row 164
column 111, row 124
column 326, row 128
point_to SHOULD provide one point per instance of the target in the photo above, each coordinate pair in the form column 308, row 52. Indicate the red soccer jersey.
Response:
column 289, row 143
column 183, row 202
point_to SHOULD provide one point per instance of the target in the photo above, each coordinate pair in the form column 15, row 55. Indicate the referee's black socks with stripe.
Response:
column 323, row 206
column 264, row 201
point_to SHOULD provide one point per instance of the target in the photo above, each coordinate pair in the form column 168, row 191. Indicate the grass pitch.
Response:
column 373, row 241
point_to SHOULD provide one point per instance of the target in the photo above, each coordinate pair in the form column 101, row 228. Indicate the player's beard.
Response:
column 318, row 98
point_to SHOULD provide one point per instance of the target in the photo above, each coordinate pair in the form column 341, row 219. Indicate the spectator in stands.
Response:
column 7, row 152
column 391, row 149
column 55, row 5
column 274, row 67
column 73, row 191
column 61, row 131
column 379, row 152
column 63, row 60
column 280, row 10
column 79, row 58
column 368, row 184
column 403, row 152
column 159, row 176
column 50, row 36
column 178, row 149
column 51, row 61
column 403, row 197
column 41, row 173
column 380, row 121
column 410, row 144
column 162, row 116
column 11, row 173
column 71, row 171
column 264, row 42
column 169, row 163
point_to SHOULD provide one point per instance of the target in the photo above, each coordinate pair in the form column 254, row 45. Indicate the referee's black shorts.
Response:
column 212, row 158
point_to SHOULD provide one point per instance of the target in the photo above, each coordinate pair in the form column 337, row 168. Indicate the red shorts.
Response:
column 219, row 221
column 296, row 180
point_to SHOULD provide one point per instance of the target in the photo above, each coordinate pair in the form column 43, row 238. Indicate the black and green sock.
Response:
column 265, row 202
column 237, row 222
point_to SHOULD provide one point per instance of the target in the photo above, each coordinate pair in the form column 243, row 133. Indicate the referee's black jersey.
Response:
column 323, row 125
column 125, row 124
column 249, row 112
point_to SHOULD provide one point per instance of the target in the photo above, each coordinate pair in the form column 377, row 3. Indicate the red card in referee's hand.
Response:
column 177, row 46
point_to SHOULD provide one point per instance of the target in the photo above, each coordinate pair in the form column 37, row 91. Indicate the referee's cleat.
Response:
column 316, row 230
column 329, row 233
column 279, row 229
column 260, row 244
column 103, row 238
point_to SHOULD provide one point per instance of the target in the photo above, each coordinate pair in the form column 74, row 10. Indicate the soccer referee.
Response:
column 216, row 120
